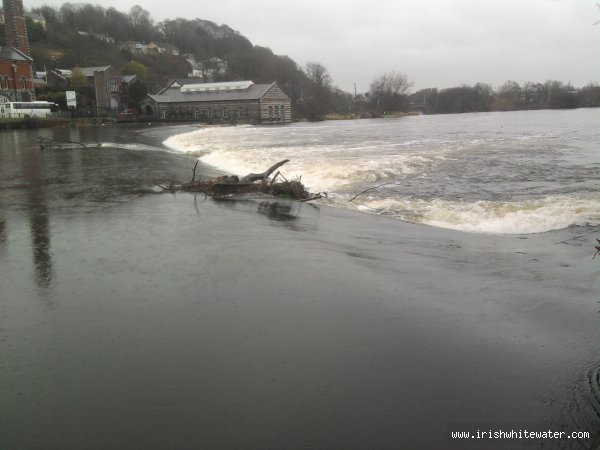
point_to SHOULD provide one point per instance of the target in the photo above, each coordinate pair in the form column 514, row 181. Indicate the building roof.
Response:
column 253, row 92
column 217, row 87
column 176, row 83
column 39, row 81
column 129, row 78
column 63, row 73
column 35, row 16
column 89, row 71
column 164, row 46
column 13, row 54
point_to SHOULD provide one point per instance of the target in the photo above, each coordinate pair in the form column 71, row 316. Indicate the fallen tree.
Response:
column 277, row 186
column 54, row 143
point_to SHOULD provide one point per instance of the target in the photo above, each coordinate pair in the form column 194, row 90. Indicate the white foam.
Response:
column 524, row 217
column 328, row 167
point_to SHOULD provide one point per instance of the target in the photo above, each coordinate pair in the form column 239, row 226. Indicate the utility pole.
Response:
column 354, row 102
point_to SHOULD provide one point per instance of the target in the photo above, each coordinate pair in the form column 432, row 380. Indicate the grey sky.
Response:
column 437, row 43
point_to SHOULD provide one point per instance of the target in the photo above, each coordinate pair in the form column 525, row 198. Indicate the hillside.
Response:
column 90, row 35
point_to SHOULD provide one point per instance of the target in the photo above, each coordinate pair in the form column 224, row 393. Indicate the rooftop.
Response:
column 251, row 92
column 14, row 54
column 217, row 87
column 89, row 71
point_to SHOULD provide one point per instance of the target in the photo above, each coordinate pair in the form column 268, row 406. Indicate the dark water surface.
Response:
column 134, row 319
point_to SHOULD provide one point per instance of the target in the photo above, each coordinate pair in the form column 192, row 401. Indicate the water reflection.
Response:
column 2, row 206
column 280, row 212
column 32, row 168
column 41, row 248
column 23, row 183
column 285, row 213
column 2, row 231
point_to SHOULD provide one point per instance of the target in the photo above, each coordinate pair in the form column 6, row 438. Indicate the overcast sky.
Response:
column 437, row 43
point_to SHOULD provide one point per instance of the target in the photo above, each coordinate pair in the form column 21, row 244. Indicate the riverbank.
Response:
column 137, row 319
column 61, row 122
column 50, row 122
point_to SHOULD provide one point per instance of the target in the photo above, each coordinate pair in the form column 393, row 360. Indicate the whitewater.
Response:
column 504, row 172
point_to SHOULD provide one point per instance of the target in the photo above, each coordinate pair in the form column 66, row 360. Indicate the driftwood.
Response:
column 49, row 143
column 278, row 186
column 251, row 177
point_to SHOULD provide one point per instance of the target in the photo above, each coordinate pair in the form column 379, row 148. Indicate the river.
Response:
column 505, row 172
column 460, row 297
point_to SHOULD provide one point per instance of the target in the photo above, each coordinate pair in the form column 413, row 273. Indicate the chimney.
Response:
column 14, row 22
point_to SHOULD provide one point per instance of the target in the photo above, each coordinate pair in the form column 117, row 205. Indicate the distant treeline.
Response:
column 510, row 96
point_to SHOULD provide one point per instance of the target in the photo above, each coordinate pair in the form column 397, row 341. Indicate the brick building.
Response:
column 16, row 75
column 14, row 24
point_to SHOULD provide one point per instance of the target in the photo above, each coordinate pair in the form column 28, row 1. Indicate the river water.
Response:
column 505, row 172
column 134, row 318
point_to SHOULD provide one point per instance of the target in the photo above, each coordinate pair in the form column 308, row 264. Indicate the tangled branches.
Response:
column 277, row 186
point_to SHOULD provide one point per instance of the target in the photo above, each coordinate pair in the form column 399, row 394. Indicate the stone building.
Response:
column 233, row 101
column 105, row 82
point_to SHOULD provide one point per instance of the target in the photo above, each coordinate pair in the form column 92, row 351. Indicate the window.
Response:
column 24, row 82
column 225, row 113
column 270, row 111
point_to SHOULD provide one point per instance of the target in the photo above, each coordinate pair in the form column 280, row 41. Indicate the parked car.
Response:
column 128, row 112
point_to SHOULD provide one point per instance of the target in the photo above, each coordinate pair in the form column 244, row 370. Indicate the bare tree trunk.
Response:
column 261, row 176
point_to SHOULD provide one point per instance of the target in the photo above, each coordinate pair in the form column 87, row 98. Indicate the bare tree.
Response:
column 141, row 22
column 318, row 74
column 318, row 91
column 388, row 92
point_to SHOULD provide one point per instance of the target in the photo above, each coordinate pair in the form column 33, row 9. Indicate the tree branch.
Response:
column 261, row 176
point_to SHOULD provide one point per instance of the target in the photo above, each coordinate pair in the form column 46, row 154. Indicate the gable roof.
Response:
column 61, row 73
column 13, row 54
column 35, row 16
column 254, row 92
